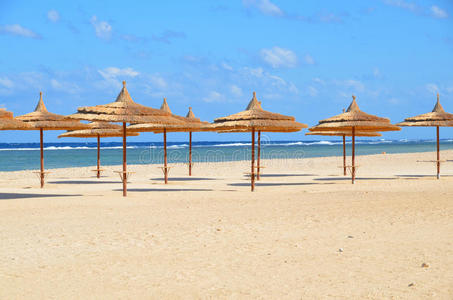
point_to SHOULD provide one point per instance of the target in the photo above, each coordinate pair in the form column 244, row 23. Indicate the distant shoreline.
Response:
column 444, row 153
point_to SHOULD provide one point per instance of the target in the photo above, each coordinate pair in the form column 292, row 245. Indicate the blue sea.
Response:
column 25, row 156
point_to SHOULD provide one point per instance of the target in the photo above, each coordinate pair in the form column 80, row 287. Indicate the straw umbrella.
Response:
column 344, row 135
column 124, row 110
column 254, row 118
column 98, row 130
column 437, row 118
column 7, row 121
column 40, row 119
column 202, row 126
column 354, row 120
column 189, row 123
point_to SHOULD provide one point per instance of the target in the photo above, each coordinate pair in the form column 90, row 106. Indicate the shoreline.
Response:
column 348, row 157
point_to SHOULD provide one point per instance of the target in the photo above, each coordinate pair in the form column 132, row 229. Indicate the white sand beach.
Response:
column 305, row 233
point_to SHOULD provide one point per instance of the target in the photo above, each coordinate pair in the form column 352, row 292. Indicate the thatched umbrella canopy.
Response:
column 354, row 120
column 98, row 130
column 255, row 118
column 124, row 110
column 41, row 119
column 344, row 134
column 437, row 118
column 7, row 121
column 189, row 123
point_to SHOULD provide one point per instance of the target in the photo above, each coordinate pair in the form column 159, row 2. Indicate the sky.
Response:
column 303, row 58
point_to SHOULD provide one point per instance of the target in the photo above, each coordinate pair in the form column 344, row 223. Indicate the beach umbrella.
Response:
column 124, row 110
column 98, row 130
column 343, row 134
column 41, row 119
column 437, row 118
column 255, row 118
column 189, row 123
column 7, row 121
column 354, row 120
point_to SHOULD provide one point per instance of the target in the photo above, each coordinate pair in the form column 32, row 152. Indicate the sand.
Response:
column 305, row 233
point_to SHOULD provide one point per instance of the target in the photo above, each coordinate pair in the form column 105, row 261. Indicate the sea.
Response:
column 26, row 156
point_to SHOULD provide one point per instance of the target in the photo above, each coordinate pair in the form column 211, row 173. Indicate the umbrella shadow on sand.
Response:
column 166, row 190
column 82, row 182
column 420, row 176
column 273, row 184
column 358, row 178
column 284, row 175
column 10, row 196
column 183, row 178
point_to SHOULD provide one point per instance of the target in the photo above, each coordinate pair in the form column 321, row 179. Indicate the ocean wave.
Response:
column 229, row 145
column 233, row 144
column 328, row 143
column 64, row 148
column 176, row 146
column 285, row 144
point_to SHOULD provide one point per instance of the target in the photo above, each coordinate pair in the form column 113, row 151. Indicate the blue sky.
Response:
column 303, row 58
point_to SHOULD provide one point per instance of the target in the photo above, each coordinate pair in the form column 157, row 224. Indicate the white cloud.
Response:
column 158, row 81
column 351, row 85
column 257, row 72
column 330, row 18
column 227, row 66
column 264, row 6
column 53, row 15
column 272, row 84
column 67, row 87
column 292, row 88
column 434, row 11
column 18, row 30
column 402, row 4
column 113, row 72
column 276, row 80
column 169, row 35
column 6, row 86
column 6, row 82
column 319, row 81
column 236, row 91
column 309, row 60
column 214, row 96
column 102, row 28
column 312, row 91
column 432, row 88
column 55, row 84
column 355, row 84
column 439, row 13
column 394, row 101
column 35, row 80
column 279, row 57
column 376, row 72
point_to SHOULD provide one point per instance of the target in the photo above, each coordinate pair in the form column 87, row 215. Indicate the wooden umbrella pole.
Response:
column 344, row 154
column 99, row 157
column 41, row 138
column 190, row 153
column 253, row 160
column 438, row 154
column 353, row 155
column 165, row 157
column 124, row 162
column 259, row 156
